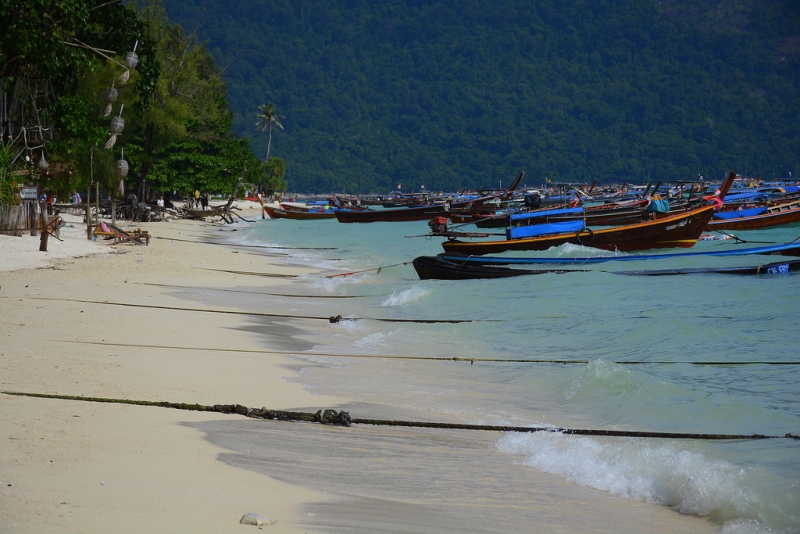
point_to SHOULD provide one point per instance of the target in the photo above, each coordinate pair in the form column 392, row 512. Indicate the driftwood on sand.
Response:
column 224, row 212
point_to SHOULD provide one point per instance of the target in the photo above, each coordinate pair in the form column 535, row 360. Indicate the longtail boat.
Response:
column 671, row 230
column 416, row 213
column 755, row 218
column 438, row 268
column 785, row 249
column 304, row 215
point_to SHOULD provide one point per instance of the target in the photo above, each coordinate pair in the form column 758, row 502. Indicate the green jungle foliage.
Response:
column 63, row 84
column 463, row 93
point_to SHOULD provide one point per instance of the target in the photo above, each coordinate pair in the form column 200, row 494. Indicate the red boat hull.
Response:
column 419, row 213
column 677, row 230
column 777, row 217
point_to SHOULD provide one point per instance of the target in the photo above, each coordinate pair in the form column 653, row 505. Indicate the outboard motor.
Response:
column 438, row 225
column 532, row 200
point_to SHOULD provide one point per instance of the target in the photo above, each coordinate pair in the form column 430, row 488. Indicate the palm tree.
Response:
column 266, row 118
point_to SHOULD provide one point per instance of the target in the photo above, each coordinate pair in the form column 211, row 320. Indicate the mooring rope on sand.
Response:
column 331, row 318
column 342, row 418
column 471, row 361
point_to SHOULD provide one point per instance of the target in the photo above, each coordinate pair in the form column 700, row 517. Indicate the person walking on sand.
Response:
column 161, row 208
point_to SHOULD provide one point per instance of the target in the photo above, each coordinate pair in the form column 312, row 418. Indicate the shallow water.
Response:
column 632, row 353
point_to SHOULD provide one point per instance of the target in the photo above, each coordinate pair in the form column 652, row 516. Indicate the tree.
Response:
column 54, row 56
column 266, row 118
column 182, row 140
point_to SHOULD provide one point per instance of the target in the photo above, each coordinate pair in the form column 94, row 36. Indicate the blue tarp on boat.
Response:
column 534, row 230
column 658, row 206
column 741, row 212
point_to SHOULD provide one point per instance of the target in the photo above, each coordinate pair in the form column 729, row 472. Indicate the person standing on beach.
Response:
column 204, row 200
column 161, row 208
column 196, row 198
column 76, row 197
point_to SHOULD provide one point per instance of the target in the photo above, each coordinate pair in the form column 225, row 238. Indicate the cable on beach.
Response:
column 471, row 361
column 342, row 418
column 330, row 319
column 376, row 269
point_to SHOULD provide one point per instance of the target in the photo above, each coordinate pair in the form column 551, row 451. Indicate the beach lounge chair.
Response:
column 109, row 231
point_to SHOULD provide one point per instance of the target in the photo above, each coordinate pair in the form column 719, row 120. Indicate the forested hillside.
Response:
column 464, row 93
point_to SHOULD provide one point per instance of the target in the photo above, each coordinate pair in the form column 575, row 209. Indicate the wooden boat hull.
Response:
column 419, row 213
column 435, row 268
column 673, row 231
column 601, row 215
column 787, row 249
column 438, row 268
column 303, row 215
column 776, row 217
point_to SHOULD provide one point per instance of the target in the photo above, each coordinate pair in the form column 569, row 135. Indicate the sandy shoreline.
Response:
column 73, row 466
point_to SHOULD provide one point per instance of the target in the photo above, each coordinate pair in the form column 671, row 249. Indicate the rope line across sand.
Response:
column 428, row 358
column 343, row 418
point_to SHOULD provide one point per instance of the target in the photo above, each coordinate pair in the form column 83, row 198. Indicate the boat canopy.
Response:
column 535, row 230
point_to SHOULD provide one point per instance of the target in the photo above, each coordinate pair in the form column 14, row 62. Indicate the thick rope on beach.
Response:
column 431, row 358
column 331, row 319
column 342, row 418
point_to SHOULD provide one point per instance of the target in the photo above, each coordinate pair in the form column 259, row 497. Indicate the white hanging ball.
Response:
column 117, row 125
column 131, row 60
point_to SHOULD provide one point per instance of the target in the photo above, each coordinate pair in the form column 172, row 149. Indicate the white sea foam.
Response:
column 662, row 474
column 371, row 341
column 406, row 296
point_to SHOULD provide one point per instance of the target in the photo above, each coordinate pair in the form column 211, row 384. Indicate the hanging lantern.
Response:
column 111, row 95
column 122, row 168
column 116, row 127
column 130, row 61
column 42, row 164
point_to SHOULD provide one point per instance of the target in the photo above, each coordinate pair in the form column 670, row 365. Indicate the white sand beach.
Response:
column 92, row 319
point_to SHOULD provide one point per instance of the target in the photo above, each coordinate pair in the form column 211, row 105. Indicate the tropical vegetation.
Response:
column 461, row 93
column 94, row 87
column 362, row 97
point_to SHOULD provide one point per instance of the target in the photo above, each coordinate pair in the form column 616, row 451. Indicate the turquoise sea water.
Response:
column 668, row 326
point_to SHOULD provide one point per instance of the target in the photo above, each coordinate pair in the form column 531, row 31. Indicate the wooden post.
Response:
column 88, row 213
column 33, row 216
column 96, row 203
column 43, row 240
column 114, row 211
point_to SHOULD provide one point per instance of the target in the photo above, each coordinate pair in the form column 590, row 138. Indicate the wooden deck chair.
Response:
column 103, row 230
column 138, row 236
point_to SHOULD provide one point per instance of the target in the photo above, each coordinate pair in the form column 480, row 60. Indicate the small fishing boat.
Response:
column 417, row 213
column 786, row 249
column 439, row 268
column 303, row 215
column 436, row 268
column 609, row 214
column 286, row 211
column 757, row 217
